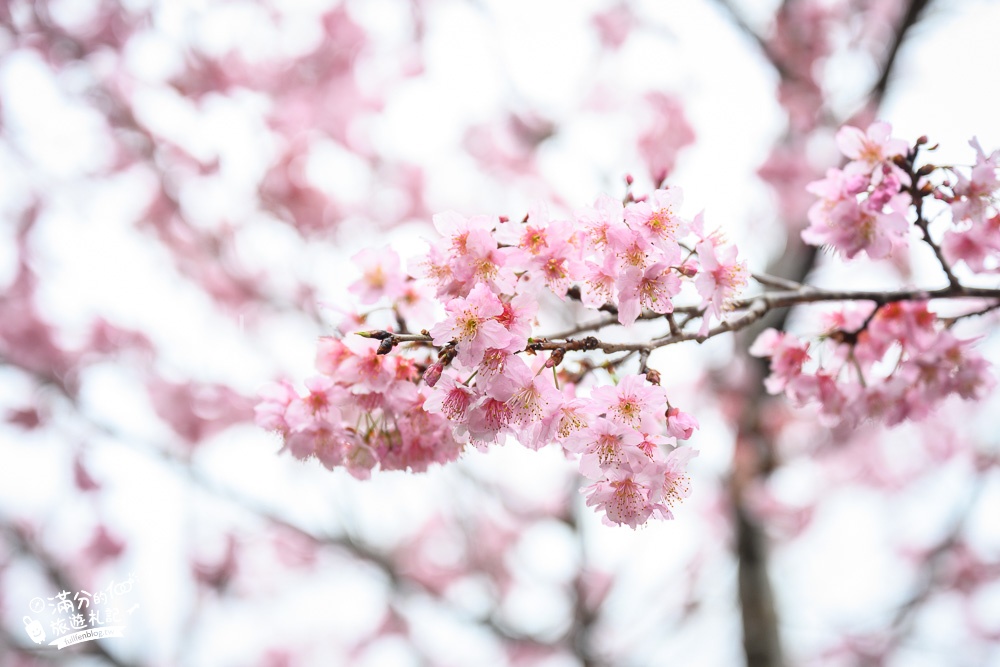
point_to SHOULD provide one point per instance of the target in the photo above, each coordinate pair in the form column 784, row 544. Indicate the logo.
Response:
column 81, row 616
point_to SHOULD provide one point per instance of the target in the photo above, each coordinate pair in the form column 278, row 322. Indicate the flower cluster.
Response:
column 493, row 378
column 975, row 234
column 888, row 365
column 862, row 207
column 363, row 409
column 480, row 374
column 896, row 360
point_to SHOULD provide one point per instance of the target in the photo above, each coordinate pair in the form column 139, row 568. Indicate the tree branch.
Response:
column 754, row 307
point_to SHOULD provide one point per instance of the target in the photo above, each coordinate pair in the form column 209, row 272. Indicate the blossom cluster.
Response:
column 480, row 374
column 893, row 360
column 363, row 409
column 974, row 236
column 862, row 207
column 889, row 364
column 384, row 398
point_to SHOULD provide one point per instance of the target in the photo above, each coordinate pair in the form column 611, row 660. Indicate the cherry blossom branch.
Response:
column 917, row 194
column 777, row 282
column 755, row 308
column 914, row 12
column 949, row 321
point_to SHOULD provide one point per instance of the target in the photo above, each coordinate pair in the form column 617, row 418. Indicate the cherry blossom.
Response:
column 870, row 148
column 472, row 325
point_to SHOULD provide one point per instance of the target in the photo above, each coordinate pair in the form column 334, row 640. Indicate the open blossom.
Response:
column 676, row 482
column 269, row 413
column 787, row 353
column 633, row 402
column 530, row 396
column 870, row 148
column 456, row 228
column 325, row 441
column 909, row 324
column 558, row 266
column 483, row 262
column 606, row 214
column 321, row 403
column 599, row 282
column 571, row 416
column 472, row 325
column 489, row 419
column 851, row 226
column 975, row 194
column 658, row 219
column 651, row 288
column 381, row 275
column 631, row 249
column 517, row 317
column 436, row 269
column 365, row 370
column 665, row 136
column 626, row 495
column 977, row 244
column 607, row 445
column 719, row 279
column 451, row 398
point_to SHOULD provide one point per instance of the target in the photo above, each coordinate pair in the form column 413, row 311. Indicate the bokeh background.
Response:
column 182, row 185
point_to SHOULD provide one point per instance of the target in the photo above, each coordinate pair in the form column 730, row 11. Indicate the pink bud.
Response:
column 680, row 424
column 433, row 374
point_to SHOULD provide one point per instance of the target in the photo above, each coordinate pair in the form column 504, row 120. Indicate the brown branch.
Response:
column 914, row 10
column 754, row 308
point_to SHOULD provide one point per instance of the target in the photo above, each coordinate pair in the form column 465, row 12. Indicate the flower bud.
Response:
column 433, row 374
column 680, row 424
column 688, row 270
column 555, row 358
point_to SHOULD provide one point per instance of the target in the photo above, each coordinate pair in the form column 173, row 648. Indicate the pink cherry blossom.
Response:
column 451, row 398
column 624, row 495
column 974, row 195
column 719, row 280
column 869, row 149
column 676, row 482
column 665, row 136
column 787, row 353
column 531, row 396
column 472, row 325
column 489, row 419
column 269, row 413
column 652, row 288
column 851, row 227
column 658, row 219
column 598, row 221
column 634, row 402
column 680, row 424
column 381, row 275
column 599, row 282
column 607, row 445
column 570, row 418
